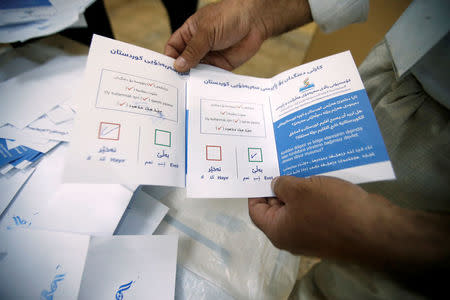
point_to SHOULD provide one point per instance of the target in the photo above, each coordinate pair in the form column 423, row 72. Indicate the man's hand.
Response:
column 228, row 33
column 318, row 215
column 332, row 218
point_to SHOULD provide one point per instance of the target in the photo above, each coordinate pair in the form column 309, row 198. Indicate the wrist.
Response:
column 405, row 241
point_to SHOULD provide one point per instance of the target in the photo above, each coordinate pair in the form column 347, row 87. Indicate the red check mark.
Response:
column 123, row 103
column 222, row 112
column 145, row 98
column 129, row 88
column 235, row 121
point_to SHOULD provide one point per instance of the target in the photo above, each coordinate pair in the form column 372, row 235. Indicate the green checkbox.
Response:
column 163, row 138
column 255, row 155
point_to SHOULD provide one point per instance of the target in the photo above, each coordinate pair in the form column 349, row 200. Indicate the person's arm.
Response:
column 331, row 218
column 228, row 33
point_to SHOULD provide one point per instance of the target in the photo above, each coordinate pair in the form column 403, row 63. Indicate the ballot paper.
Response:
column 130, row 267
column 46, row 129
column 143, row 214
column 54, row 265
column 79, row 208
column 23, row 138
column 130, row 123
column 10, row 185
column 41, row 265
column 28, row 96
column 61, row 113
column 60, row 15
column 23, row 11
column 136, row 113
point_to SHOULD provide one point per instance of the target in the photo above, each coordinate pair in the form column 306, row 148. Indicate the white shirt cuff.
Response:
column 332, row 15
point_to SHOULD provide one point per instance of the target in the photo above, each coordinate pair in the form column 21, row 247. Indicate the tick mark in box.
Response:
column 214, row 153
column 163, row 138
column 255, row 155
column 109, row 131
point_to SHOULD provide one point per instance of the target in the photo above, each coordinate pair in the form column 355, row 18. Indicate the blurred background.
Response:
column 145, row 23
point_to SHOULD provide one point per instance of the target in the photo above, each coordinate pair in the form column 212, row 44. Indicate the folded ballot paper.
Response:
column 55, row 265
column 216, row 133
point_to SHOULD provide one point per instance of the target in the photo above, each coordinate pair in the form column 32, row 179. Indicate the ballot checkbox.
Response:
column 214, row 153
column 109, row 131
column 255, row 155
column 163, row 138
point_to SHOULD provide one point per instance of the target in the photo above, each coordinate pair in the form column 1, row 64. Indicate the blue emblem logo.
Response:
column 306, row 85
column 123, row 288
column 48, row 295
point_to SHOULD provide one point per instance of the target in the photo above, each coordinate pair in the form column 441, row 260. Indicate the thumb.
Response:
column 263, row 212
column 287, row 188
column 194, row 51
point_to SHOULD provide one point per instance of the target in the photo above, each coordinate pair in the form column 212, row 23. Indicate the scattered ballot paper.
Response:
column 130, row 267
column 23, row 11
column 53, row 265
column 142, row 216
column 41, row 265
column 137, row 116
column 29, row 19
column 80, row 208
column 28, row 96
column 10, row 184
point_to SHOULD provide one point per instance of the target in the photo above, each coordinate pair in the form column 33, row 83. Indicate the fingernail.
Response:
column 272, row 184
column 180, row 63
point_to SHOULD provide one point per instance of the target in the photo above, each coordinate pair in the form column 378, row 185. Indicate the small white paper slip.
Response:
column 46, row 129
column 130, row 267
column 61, row 113
column 10, row 184
column 142, row 216
column 39, row 264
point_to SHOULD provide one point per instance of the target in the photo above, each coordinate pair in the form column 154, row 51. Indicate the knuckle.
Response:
column 190, row 52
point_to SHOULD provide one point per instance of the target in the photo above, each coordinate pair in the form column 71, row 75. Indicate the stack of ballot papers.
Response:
column 36, row 114
column 21, row 20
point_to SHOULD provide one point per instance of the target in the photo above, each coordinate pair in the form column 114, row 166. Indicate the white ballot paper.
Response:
column 64, row 14
column 10, row 184
column 130, row 267
column 130, row 127
column 41, row 264
column 28, row 96
column 143, row 214
column 38, row 264
column 240, row 131
column 46, row 203
column 23, row 11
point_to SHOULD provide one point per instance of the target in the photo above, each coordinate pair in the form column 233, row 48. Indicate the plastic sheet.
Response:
column 219, row 243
